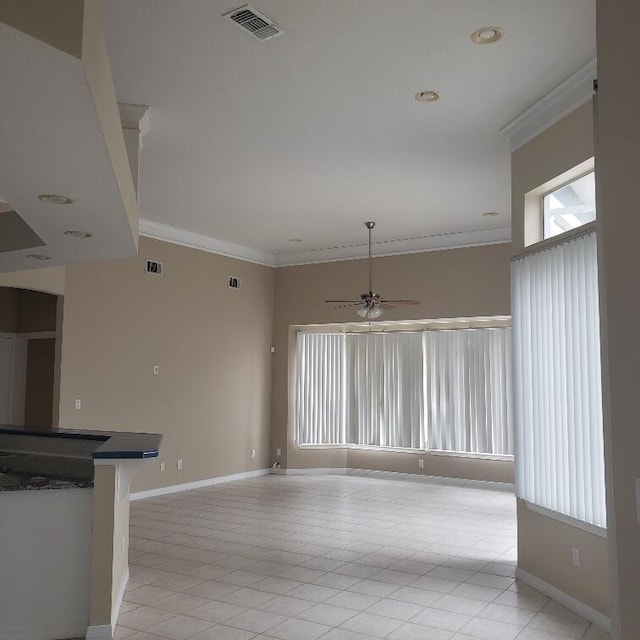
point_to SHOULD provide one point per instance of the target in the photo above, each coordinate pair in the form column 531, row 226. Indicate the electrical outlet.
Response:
column 278, row 452
column 163, row 465
column 253, row 453
column 575, row 556
column 420, row 463
column 156, row 369
column 77, row 404
column 179, row 464
column 272, row 349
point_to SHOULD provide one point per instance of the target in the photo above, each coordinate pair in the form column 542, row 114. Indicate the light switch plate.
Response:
column 77, row 404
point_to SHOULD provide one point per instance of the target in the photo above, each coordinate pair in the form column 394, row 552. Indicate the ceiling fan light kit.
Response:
column 371, row 304
column 369, row 313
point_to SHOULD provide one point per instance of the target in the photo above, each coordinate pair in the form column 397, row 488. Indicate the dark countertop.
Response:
column 79, row 443
column 21, row 471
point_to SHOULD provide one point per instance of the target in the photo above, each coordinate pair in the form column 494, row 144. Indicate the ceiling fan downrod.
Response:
column 370, row 226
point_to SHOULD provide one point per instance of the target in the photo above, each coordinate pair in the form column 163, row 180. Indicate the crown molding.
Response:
column 421, row 244
column 159, row 231
column 134, row 116
column 433, row 242
column 570, row 94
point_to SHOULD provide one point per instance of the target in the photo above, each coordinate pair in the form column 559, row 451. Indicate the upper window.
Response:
column 570, row 206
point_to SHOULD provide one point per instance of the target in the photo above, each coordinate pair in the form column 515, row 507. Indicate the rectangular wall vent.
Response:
column 234, row 283
column 254, row 22
column 153, row 267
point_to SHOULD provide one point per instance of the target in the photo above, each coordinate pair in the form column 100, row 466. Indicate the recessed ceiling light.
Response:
column 487, row 35
column 295, row 239
column 77, row 234
column 428, row 95
column 52, row 198
column 491, row 213
column 38, row 256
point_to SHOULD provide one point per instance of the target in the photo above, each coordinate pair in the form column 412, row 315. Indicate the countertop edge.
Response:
column 116, row 445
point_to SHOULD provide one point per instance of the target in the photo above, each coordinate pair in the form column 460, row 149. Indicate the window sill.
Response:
column 433, row 452
column 361, row 447
column 465, row 454
column 601, row 532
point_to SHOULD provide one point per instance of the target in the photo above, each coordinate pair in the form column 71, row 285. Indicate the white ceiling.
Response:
column 313, row 132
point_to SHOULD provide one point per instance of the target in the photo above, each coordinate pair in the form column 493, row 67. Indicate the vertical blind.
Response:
column 468, row 384
column 387, row 399
column 320, row 388
column 370, row 389
column 558, row 401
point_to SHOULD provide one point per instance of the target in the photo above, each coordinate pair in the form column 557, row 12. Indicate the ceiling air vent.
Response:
column 151, row 266
column 256, row 23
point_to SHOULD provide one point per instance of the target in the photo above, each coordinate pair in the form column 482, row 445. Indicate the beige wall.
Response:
column 8, row 309
column 49, row 279
column 103, row 546
column 618, row 229
column 448, row 283
column 36, row 311
column 544, row 550
column 544, row 544
column 212, row 397
column 25, row 311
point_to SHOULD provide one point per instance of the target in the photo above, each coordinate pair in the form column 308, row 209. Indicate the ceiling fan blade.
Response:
column 350, row 304
column 385, row 305
column 343, row 301
column 402, row 301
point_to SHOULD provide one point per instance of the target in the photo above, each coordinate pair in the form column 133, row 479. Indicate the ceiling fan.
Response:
column 371, row 304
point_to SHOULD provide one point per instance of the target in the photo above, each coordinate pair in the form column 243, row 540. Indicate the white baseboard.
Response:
column 328, row 471
column 396, row 475
column 443, row 480
column 99, row 632
column 571, row 603
column 198, row 484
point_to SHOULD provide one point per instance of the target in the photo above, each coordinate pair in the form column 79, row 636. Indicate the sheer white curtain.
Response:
column 468, row 385
column 320, row 388
column 558, row 401
column 386, row 389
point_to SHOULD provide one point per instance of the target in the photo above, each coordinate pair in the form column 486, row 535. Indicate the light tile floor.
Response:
column 333, row 558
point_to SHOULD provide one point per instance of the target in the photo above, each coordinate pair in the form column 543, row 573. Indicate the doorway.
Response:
column 29, row 362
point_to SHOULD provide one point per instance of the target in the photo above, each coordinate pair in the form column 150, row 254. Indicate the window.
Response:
column 469, row 390
column 558, row 396
column 391, row 389
column 387, row 394
column 570, row 206
column 321, row 388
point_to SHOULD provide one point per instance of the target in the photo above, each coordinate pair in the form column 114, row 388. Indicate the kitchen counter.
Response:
column 25, row 472
column 64, row 530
